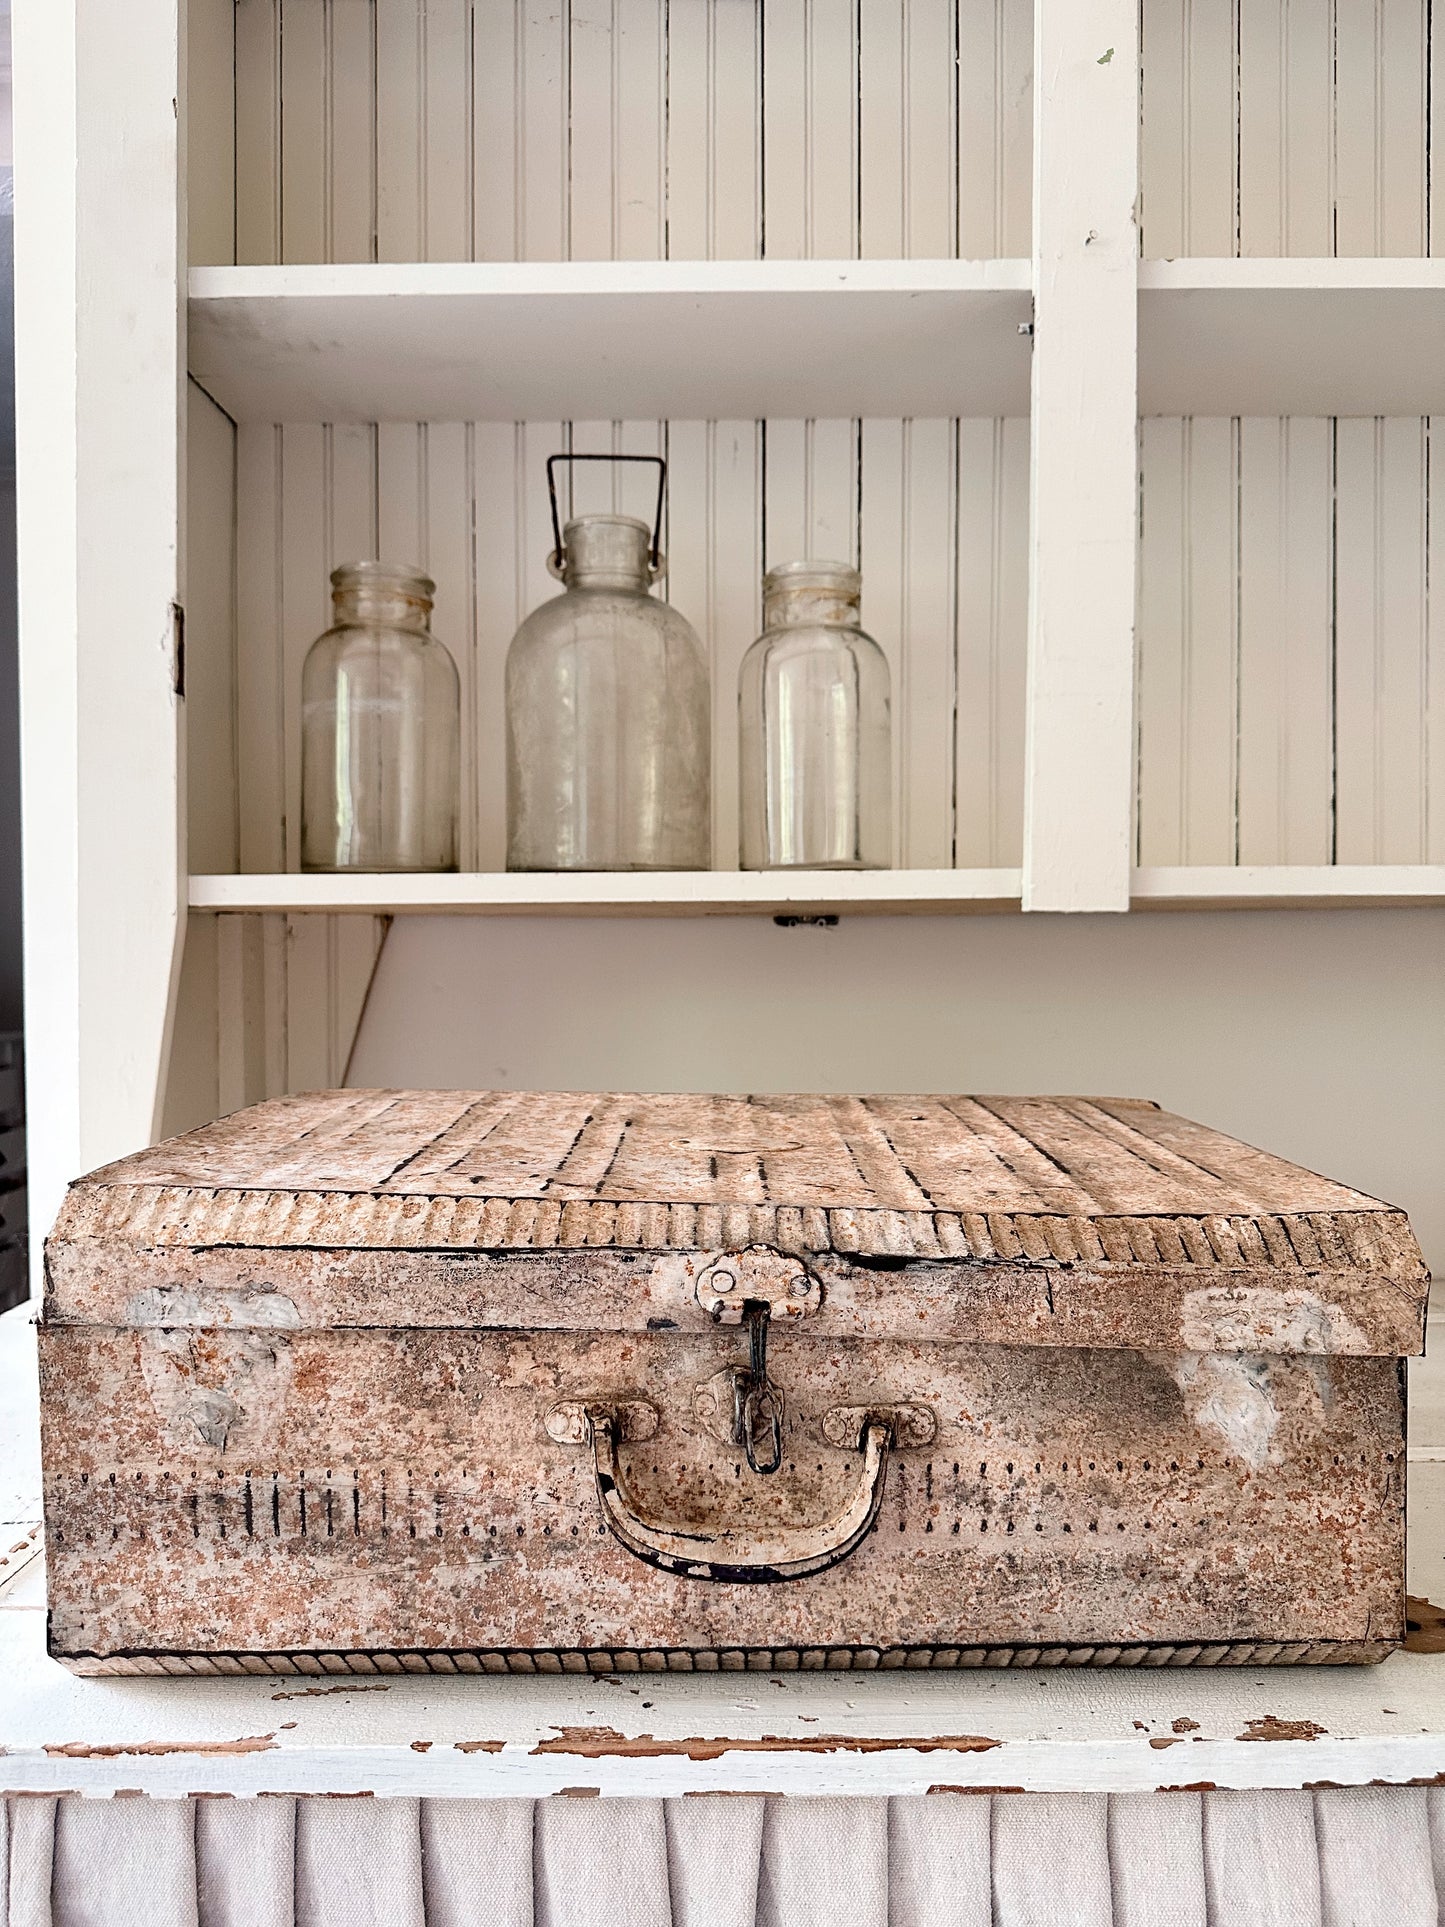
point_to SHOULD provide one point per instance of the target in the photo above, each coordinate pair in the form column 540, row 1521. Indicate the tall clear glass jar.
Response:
column 380, row 714
column 814, row 738
column 608, row 733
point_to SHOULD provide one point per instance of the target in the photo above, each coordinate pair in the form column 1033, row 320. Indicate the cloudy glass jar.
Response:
column 814, row 734
column 379, row 729
column 608, row 746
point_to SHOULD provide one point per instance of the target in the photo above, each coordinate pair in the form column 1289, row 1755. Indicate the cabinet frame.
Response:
column 105, row 293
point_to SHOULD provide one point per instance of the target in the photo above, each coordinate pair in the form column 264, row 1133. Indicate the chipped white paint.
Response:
column 229, row 1382
column 1245, row 1318
column 1231, row 1395
column 667, row 1735
column 825, row 1734
column 211, row 1305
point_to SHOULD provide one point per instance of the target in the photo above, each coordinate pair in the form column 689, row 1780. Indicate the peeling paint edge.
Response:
column 516, row 1770
column 603, row 1742
column 83, row 1750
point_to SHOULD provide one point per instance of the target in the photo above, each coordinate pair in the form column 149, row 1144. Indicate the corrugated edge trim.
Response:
column 160, row 1215
column 725, row 1659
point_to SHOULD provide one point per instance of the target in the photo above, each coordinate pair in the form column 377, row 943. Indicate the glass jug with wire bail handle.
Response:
column 815, row 759
column 380, row 722
column 608, row 732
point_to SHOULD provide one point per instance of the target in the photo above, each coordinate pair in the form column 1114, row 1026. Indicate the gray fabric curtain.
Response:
column 1349, row 1857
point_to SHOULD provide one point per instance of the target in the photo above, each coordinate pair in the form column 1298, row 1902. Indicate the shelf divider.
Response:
column 1079, row 735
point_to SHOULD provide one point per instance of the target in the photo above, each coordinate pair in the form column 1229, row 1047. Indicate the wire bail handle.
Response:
column 654, row 555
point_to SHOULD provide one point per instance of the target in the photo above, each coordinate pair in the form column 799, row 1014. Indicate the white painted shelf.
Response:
column 1292, row 337
column 657, row 1734
column 683, row 893
column 680, row 339
column 1268, row 886
column 701, row 893
column 613, row 340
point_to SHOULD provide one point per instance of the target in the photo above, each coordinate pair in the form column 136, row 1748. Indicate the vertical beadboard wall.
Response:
column 1288, row 127
column 499, row 130
column 1289, row 642
column 1288, row 637
column 445, row 129
column 266, row 1004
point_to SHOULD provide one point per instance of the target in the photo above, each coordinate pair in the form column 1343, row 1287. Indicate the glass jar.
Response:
column 608, row 746
column 380, row 713
column 815, row 759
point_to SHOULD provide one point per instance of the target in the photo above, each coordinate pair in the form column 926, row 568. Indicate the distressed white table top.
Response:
column 661, row 1734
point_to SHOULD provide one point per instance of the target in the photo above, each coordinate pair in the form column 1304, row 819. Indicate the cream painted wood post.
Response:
column 98, row 393
column 1078, row 780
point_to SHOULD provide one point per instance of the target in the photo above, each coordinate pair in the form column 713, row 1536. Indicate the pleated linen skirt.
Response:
column 1348, row 1857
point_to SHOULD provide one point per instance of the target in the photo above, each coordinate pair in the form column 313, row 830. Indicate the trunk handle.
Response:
column 729, row 1556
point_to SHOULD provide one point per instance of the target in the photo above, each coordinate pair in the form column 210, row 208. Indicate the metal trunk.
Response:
column 488, row 1382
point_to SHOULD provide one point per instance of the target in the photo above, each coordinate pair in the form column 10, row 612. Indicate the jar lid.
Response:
column 836, row 578
column 398, row 578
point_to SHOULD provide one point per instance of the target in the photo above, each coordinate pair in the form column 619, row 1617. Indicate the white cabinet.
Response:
column 1155, row 578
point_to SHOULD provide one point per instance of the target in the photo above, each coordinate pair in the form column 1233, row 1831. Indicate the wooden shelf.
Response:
column 623, row 340
column 1292, row 337
column 680, row 339
column 679, row 893
column 708, row 893
column 1288, row 886
column 818, row 1733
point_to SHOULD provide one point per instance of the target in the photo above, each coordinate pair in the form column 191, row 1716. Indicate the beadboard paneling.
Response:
column 1288, row 127
column 935, row 512
column 444, row 130
column 209, row 564
column 209, row 122
column 1289, row 641
column 266, row 1004
column 619, row 129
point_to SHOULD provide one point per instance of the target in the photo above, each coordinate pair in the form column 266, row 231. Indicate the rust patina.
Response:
column 396, row 1382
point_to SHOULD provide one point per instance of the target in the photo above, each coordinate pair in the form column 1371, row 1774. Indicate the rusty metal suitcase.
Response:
column 442, row 1381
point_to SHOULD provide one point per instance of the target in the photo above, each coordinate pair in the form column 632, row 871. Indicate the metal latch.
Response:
column 740, row 1405
column 760, row 1411
column 730, row 1282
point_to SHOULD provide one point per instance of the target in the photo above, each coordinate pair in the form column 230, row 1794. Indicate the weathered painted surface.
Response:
column 1035, row 1155
column 302, row 1447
